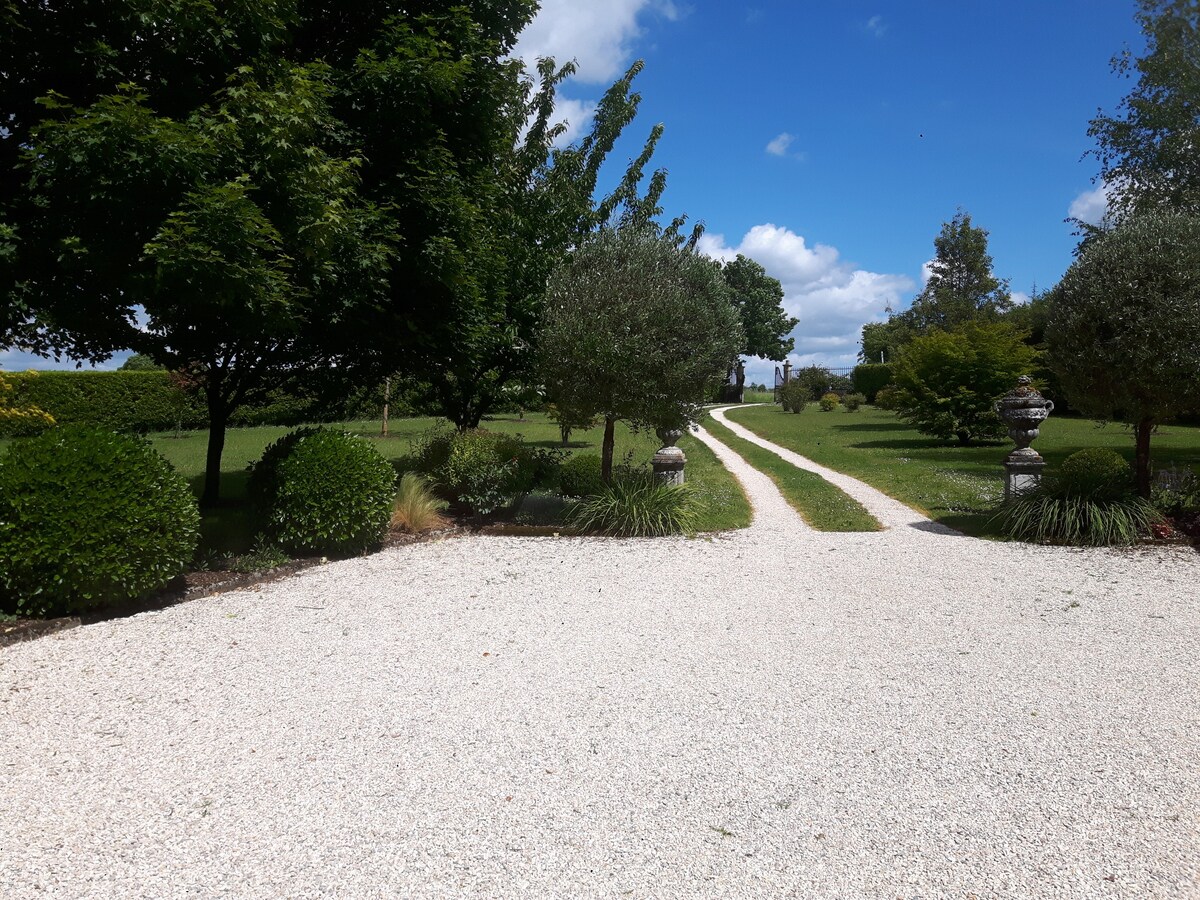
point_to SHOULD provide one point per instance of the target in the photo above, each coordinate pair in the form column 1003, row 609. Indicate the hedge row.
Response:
column 137, row 402
column 870, row 378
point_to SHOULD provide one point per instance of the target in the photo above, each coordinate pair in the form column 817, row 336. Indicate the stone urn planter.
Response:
column 1023, row 410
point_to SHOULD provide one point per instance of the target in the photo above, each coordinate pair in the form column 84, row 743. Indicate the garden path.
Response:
column 890, row 512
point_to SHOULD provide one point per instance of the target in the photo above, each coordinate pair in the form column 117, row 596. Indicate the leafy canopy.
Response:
column 637, row 328
column 950, row 380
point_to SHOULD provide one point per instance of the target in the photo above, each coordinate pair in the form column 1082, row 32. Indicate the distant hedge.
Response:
column 139, row 401
column 871, row 378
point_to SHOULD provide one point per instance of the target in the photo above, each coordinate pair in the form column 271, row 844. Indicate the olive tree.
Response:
column 636, row 328
column 1125, row 324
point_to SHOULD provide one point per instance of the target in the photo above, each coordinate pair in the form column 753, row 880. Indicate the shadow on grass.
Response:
column 931, row 444
column 873, row 426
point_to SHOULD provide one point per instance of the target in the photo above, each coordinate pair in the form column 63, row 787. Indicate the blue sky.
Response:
column 830, row 139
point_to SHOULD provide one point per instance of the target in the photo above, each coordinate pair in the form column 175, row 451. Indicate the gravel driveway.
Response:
column 770, row 713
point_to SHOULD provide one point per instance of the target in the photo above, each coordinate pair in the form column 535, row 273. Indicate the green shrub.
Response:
column 889, row 398
column 580, row 476
column 870, row 378
column 830, row 402
column 1089, row 503
column 636, row 506
column 853, row 401
column 1096, row 473
column 1183, row 496
column 793, row 396
column 89, row 518
column 1044, row 515
column 483, row 470
column 330, row 493
column 262, row 485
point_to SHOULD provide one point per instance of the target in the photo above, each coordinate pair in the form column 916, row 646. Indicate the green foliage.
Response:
column 950, row 380
column 331, row 493
column 636, row 505
column 1147, row 150
column 140, row 362
column 758, row 299
column 853, row 401
column 263, row 484
column 1183, row 496
column 19, row 417
column 818, row 381
column 417, row 508
column 794, row 396
column 1089, row 502
column 581, row 476
column 87, row 519
column 1042, row 516
column 870, row 378
column 1096, row 473
column 483, row 470
column 829, row 402
column 961, row 287
column 889, row 398
column 570, row 420
column 1125, row 323
column 638, row 329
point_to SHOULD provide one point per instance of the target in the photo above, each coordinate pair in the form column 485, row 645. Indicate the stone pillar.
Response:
column 669, row 461
column 787, row 372
column 1023, row 410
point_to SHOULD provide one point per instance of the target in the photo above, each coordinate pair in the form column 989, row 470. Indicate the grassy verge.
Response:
column 957, row 486
column 822, row 505
column 723, row 505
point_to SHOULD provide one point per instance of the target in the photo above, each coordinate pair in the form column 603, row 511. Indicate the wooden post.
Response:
column 387, row 395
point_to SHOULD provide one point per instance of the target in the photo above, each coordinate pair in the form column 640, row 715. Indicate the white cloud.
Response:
column 926, row 271
column 877, row 26
column 779, row 145
column 831, row 297
column 1020, row 298
column 598, row 36
column 19, row 361
column 1091, row 206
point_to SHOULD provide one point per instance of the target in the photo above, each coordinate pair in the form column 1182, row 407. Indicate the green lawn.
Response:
column 724, row 506
column 821, row 504
column 958, row 486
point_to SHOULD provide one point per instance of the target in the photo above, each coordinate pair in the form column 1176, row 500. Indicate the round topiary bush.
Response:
column 580, row 476
column 330, row 493
column 1096, row 473
column 89, row 518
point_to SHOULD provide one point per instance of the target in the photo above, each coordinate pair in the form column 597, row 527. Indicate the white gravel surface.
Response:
column 771, row 713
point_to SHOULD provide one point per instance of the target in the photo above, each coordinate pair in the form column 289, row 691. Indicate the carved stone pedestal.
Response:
column 669, row 461
column 1022, row 472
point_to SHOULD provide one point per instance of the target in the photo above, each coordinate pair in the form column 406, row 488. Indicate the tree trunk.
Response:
column 964, row 438
column 1142, row 431
column 606, row 450
column 218, row 419
column 387, row 396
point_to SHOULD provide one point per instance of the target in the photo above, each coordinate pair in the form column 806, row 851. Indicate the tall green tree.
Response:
column 285, row 190
column 544, row 204
column 758, row 299
column 636, row 328
column 961, row 287
column 1125, row 324
column 1147, row 147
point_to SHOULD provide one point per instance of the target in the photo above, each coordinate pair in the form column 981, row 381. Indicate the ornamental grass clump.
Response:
column 330, row 492
column 637, row 505
column 1089, row 503
column 793, row 396
column 417, row 508
column 89, row 518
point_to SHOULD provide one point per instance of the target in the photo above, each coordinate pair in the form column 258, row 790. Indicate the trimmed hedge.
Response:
column 132, row 401
column 871, row 378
